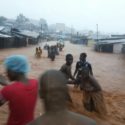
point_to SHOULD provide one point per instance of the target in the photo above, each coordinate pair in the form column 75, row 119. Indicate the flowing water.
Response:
column 109, row 70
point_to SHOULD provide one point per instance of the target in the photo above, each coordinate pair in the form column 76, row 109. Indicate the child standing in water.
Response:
column 40, row 50
column 66, row 68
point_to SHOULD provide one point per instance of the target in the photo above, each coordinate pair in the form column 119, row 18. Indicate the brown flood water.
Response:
column 109, row 70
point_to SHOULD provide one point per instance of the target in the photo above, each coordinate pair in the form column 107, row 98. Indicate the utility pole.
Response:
column 71, row 32
column 97, row 33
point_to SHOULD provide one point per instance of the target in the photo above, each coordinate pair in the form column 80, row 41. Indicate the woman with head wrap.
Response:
column 21, row 93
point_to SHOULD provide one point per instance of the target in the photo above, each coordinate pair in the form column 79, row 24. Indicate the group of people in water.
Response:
column 92, row 93
column 52, row 50
column 38, row 52
column 21, row 94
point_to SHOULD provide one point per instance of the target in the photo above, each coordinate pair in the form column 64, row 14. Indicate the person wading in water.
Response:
column 93, row 100
column 79, row 65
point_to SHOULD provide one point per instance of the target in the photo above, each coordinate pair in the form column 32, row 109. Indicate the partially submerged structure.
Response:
column 79, row 40
column 17, row 38
column 110, row 46
column 123, row 48
column 6, row 41
column 30, row 38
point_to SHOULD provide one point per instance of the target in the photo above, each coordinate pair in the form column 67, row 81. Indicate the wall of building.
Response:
column 117, row 48
column 123, row 49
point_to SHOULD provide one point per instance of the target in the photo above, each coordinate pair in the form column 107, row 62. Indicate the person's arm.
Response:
column 90, row 68
column 2, row 100
column 95, row 84
column 5, row 94
column 62, row 69
column 70, row 75
column 3, row 81
column 76, row 70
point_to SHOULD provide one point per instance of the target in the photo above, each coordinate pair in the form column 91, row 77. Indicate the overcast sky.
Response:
column 81, row 14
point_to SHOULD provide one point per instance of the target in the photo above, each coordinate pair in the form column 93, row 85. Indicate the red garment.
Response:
column 22, row 99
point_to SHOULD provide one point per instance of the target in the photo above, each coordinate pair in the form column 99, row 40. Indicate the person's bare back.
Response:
column 63, row 118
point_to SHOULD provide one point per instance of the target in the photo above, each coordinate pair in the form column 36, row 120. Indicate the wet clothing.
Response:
column 94, row 101
column 66, row 70
column 64, row 117
column 38, row 53
column 49, row 51
column 40, row 50
column 91, row 84
column 79, row 67
column 52, row 53
column 93, row 97
column 22, row 100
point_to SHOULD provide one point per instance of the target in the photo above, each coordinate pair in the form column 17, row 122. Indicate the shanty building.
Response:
column 110, row 46
column 6, row 41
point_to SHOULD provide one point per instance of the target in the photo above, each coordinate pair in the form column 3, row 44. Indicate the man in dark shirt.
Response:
column 79, row 65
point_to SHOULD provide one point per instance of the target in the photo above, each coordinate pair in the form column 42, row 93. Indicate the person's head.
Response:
column 16, row 65
column 53, row 90
column 83, row 56
column 69, row 59
column 85, row 72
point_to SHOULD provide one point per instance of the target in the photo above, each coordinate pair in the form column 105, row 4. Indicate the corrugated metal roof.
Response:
column 1, row 28
column 4, row 36
column 112, row 41
column 30, row 34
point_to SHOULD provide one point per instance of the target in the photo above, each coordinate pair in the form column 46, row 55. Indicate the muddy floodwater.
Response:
column 109, row 70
